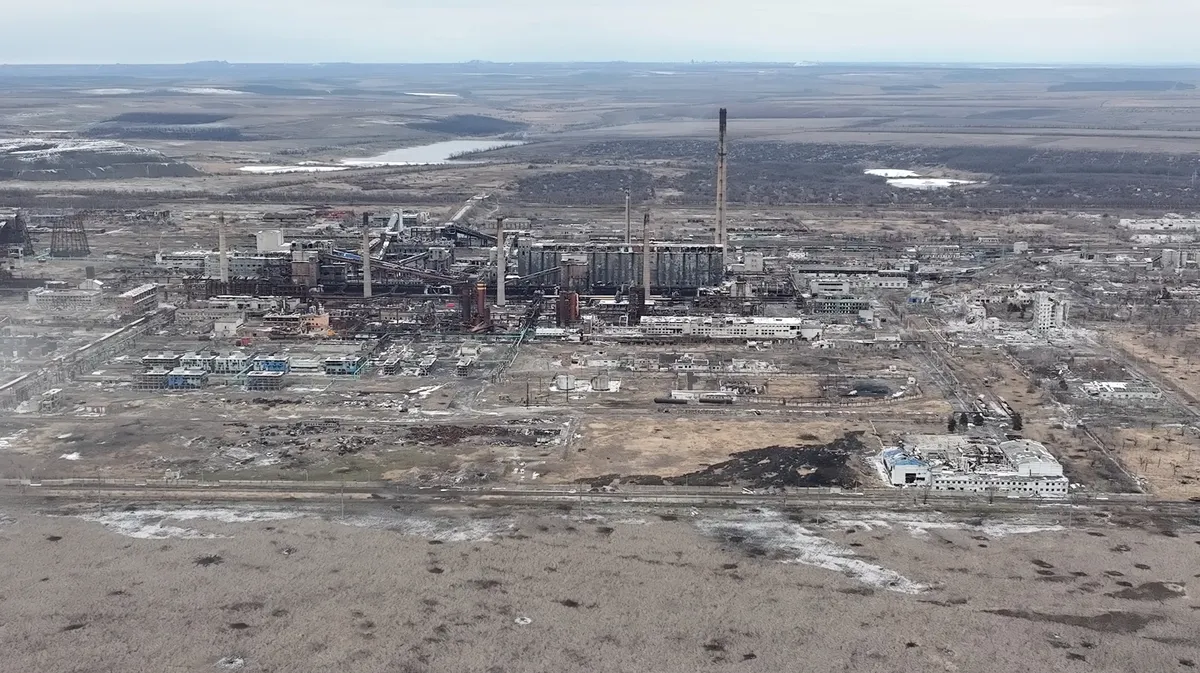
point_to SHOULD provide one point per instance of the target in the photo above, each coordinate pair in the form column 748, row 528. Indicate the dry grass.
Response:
column 1166, row 458
column 601, row 596
column 669, row 445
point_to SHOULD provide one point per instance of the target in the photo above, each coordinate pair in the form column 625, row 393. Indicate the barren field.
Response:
column 1167, row 458
column 493, row 591
column 668, row 446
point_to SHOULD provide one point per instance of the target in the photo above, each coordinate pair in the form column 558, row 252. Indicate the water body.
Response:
column 435, row 153
column 420, row 155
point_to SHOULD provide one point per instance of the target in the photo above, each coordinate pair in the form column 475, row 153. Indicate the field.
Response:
column 493, row 591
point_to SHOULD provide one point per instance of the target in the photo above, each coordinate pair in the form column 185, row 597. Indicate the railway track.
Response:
column 1077, row 509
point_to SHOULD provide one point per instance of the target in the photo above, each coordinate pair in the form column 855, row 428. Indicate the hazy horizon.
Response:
column 1018, row 32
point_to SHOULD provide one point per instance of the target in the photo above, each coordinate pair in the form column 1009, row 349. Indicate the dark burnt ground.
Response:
column 832, row 464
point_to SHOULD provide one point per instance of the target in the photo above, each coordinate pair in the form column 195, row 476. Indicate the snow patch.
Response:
column 279, row 170
column 74, row 455
column 445, row 530
column 112, row 92
column 928, row 183
column 793, row 543
column 424, row 94
column 207, row 91
column 151, row 524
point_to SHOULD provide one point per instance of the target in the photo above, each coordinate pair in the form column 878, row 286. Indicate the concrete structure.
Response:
column 297, row 323
column 754, row 262
column 234, row 363
column 730, row 327
column 1163, row 224
column 198, row 361
column 1170, row 259
column 151, row 379
column 141, row 299
column 501, row 262
column 165, row 360
column 1049, row 312
column 344, row 365
column 722, row 185
column 63, row 299
column 265, row 381
column 270, row 241
column 1017, row 468
column 192, row 261
column 1122, row 392
column 608, row 266
column 272, row 363
column 265, row 265
column 181, row 378
column 366, row 267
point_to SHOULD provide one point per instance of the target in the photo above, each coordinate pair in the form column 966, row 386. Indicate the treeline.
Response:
column 160, row 132
column 782, row 173
column 604, row 186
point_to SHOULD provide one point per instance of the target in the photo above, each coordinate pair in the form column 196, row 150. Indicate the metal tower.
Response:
column 68, row 239
column 15, row 233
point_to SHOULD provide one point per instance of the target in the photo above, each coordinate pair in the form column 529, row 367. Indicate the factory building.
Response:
column 730, row 327
column 673, row 266
column 1018, row 468
column 188, row 261
column 268, row 265
column 141, row 299
column 61, row 298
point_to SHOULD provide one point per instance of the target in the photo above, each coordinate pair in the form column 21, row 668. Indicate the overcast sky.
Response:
column 169, row 31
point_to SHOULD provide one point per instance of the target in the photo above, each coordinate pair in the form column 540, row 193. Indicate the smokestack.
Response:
column 721, row 181
column 366, row 260
column 646, row 258
column 501, row 261
column 223, row 250
column 628, row 224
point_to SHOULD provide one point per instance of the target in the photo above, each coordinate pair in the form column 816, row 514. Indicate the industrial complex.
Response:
column 526, row 341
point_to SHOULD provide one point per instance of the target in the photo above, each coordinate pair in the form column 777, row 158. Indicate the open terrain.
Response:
column 599, row 590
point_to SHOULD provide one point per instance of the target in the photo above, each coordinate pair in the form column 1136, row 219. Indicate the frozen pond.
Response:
column 928, row 183
column 420, row 155
column 435, row 153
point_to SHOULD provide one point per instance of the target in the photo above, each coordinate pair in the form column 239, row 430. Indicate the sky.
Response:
column 425, row 31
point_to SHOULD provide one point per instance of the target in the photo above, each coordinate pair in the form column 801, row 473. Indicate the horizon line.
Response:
column 693, row 62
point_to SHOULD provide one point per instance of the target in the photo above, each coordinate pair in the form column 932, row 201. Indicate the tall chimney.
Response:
column 223, row 250
column 628, row 224
column 366, row 260
column 721, row 177
column 646, row 258
column 501, row 261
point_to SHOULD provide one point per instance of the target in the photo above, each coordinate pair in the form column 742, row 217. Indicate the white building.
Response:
column 1165, row 224
column 249, row 264
column 754, row 262
column 270, row 241
column 1131, row 392
column 730, row 327
column 1049, row 311
column 1017, row 468
column 187, row 260
column 1170, row 259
